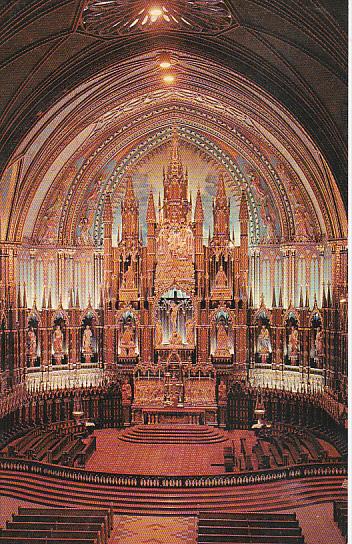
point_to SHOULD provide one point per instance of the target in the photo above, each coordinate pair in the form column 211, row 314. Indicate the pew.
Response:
column 104, row 514
column 251, row 527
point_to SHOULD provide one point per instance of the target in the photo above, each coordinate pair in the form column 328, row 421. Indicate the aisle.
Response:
column 154, row 530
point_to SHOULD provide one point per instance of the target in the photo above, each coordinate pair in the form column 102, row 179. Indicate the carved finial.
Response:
column 198, row 211
column 151, row 216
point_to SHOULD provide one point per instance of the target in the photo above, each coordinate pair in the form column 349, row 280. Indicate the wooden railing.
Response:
column 222, row 480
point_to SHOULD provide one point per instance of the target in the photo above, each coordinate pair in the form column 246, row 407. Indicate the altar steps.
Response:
column 172, row 434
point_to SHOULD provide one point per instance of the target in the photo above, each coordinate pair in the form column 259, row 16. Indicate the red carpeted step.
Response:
column 173, row 434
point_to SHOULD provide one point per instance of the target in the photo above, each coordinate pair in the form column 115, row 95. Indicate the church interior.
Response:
column 173, row 272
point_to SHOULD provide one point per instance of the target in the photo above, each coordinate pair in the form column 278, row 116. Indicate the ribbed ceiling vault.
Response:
column 295, row 50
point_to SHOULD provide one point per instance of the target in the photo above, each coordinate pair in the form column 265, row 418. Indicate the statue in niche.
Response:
column 158, row 333
column 222, row 391
column 268, row 217
column 87, row 341
column 49, row 224
column 293, row 342
column 173, row 316
column 32, row 345
column 128, row 346
column 304, row 228
column 222, row 341
column 319, row 343
column 58, row 339
column 221, row 278
column 263, row 343
column 126, row 391
column 84, row 237
column 129, row 278
column 189, row 332
column 255, row 182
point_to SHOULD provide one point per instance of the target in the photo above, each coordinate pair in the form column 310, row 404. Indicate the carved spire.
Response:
column 250, row 303
column 198, row 211
column 329, row 296
column 273, row 304
column 49, row 301
column 77, row 298
column 307, row 298
column 280, row 299
column 24, row 296
column 19, row 301
column 176, row 205
column 70, row 304
column 43, row 299
column 243, row 216
column 130, row 212
column 151, row 215
column 324, row 303
column 221, row 214
column 301, row 298
column 130, row 197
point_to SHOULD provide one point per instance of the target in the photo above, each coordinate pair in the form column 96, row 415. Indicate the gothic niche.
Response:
column 32, row 342
column 175, row 321
column 292, row 340
column 59, row 355
column 88, row 339
column 127, row 330
column 222, row 335
column 263, row 351
column 316, row 342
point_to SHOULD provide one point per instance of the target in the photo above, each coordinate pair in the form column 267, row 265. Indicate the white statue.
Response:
column 319, row 342
column 32, row 343
column 87, row 340
column 58, row 340
column 263, row 344
column 293, row 342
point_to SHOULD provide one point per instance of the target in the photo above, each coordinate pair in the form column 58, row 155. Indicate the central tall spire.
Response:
column 176, row 204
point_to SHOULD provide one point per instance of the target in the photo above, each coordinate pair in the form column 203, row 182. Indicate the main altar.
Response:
column 181, row 314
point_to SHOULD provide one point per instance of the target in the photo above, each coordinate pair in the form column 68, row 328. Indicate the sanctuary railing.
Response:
column 292, row 472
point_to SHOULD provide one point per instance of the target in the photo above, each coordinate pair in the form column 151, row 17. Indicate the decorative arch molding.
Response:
column 257, row 159
column 259, row 115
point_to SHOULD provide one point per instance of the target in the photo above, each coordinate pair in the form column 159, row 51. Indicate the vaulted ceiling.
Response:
column 95, row 58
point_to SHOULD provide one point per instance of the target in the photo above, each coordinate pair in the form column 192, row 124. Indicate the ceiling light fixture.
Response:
column 155, row 13
column 169, row 78
column 164, row 61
